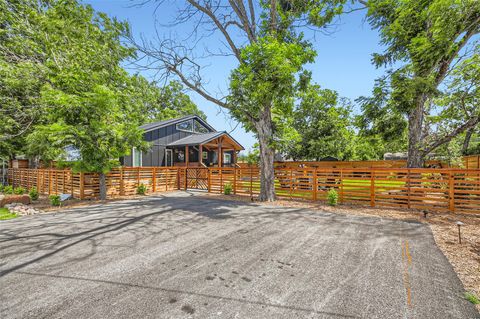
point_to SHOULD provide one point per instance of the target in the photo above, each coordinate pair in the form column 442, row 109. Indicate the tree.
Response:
column 262, row 92
column 425, row 41
column 63, row 85
column 324, row 124
column 246, row 27
column 167, row 102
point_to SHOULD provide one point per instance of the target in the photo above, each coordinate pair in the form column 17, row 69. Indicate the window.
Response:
column 227, row 158
column 199, row 128
column 192, row 126
column 204, row 155
column 136, row 157
column 185, row 126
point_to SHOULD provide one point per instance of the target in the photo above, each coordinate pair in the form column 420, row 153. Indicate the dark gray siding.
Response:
column 158, row 139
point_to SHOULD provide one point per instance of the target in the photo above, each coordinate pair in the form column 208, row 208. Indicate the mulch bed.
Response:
column 464, row 257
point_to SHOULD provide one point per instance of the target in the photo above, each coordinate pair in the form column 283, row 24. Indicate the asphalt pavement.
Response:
column 181, row 255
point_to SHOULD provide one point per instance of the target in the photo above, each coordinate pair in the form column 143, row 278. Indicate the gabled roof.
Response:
column 197, row 139
column 156, row 125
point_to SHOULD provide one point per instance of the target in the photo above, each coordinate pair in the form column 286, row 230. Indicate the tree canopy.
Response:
column 427, row 44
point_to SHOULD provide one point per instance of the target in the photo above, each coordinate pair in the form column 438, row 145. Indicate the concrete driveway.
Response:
column 181, row 255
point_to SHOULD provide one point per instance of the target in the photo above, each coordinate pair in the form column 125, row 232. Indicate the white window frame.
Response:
column 192, row 122
column 229, row 158
column 134, row 150
column 183, row 130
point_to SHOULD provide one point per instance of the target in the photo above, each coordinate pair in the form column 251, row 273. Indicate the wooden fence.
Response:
column 454, row 190
column 123, row 181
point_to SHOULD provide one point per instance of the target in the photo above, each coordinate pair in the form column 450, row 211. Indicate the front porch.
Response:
column 217, row 149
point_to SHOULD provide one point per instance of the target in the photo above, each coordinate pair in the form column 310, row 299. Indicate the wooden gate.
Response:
column 197, row 178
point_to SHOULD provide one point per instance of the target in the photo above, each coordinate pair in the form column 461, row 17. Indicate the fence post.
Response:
column 38, row 181
column 166, row 172
column 372, row 188
column 82, row 185
column 341, row 186
column 138, row 176
column 71, row 182
column 186, row 179
column 154, row 180
column 251, row 182
column 122, row 186
column 408, row 188
column 63, row 182
column 291, row 182
column 234, row 180
column 451, row 192
column 209, row 179
column 315, row 186
column 221, row 179
column 49, row 181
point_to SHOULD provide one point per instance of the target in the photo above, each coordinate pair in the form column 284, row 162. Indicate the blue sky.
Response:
column 343, row 62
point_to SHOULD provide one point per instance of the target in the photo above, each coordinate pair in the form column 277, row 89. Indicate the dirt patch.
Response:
column 464, row 257
column 43, row 202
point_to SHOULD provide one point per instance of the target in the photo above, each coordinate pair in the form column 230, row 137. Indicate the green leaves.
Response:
column 266, row 79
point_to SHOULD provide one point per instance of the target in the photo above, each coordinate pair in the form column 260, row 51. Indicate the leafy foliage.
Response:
column 141, row 189
column 227, row 189
column 427, row 44
column 8, row 190
column 19, row 190
column 54, row 200
column 332, row 197
column 33, row 193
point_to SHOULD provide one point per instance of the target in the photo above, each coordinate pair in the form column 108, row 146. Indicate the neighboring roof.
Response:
column 156, row 125
column 196, row 139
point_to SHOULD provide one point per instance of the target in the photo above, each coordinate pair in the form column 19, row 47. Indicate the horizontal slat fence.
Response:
column 454, row 190
column 120, row 182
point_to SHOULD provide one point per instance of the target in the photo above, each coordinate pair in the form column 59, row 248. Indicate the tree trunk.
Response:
column 264, row 129
column 415, row 125
column 466, row 141
column 103, row 186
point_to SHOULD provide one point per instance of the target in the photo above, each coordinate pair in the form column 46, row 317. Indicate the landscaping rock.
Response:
column 8, row 199
column 22, row 209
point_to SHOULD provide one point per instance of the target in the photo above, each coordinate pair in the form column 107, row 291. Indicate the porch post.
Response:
column 186, row 156
column 220, row 155
column 200, row 155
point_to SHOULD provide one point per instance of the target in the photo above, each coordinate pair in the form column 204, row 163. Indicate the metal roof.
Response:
column 156, row 125
column 196, row 139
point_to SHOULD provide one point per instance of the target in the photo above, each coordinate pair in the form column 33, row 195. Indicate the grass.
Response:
column 5, row 214
column 472, row 298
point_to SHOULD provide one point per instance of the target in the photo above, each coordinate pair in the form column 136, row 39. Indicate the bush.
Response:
column 19, row 190
column 33, row 193
column 227, row 189
column 141, row 189
column 55, row 200
column 1, row 188
column 8, row 189
column 332, row 197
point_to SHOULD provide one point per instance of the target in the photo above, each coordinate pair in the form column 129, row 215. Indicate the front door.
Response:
column 168, row 157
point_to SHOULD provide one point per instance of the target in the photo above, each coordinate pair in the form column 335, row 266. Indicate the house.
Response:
column 188, row 141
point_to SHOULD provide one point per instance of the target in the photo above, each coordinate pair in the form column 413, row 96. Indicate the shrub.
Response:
column 55, row 200
column 141, row 189
column 1, row 188
column 8, row 189
column 33, row 193
column 19, row 190
column 227, row 189
column 332, row 197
